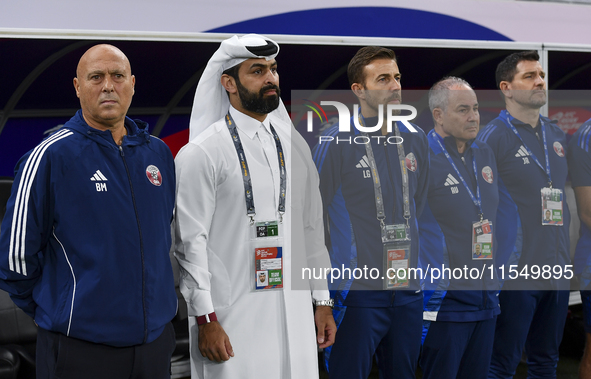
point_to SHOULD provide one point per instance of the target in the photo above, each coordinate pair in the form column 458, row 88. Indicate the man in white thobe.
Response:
column 248, row 220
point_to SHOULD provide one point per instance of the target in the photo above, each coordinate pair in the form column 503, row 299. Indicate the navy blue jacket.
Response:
column 86, row 236
column 522, row 239
column 353, row 232
column 445, row 229
column 579, row 166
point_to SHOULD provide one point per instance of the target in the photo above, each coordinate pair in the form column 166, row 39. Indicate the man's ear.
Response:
column 438, row 115
column 358, row 90
column 76, row 83
column 229, row 83
column 505, row 88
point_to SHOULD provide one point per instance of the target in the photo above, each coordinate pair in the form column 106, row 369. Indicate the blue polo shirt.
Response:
column 522, row 239
column 353, row 233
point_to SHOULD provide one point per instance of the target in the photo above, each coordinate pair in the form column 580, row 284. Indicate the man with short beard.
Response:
column 248, row 208
column 531, row 159
column 374, row 227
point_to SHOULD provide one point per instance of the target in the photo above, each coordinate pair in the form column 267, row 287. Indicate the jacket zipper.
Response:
column 141, row 245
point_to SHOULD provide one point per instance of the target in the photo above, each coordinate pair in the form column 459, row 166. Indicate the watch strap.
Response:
column 324, row 303
column 205, row 319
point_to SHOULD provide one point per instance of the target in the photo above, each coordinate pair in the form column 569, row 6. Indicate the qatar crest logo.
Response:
column 411, row 162
column 487, row 174
column 154, row 175
column 558, row 149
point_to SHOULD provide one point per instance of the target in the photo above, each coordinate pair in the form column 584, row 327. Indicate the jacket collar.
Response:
column 450, row 144
column 137, row 131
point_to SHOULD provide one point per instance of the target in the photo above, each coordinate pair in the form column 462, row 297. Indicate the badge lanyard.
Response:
column 508, row 120
column 475, row 199
column 248, row 193
column 381, row 215
column 395, row 237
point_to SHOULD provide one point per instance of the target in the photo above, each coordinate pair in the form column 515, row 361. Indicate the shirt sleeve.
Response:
column 317, row 254
column 195, row 205
column 579, row 158
column 423, row 180
column 492, row 137
column 26, row 228
column 328, row 163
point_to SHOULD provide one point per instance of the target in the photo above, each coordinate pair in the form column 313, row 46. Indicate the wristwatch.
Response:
column 206, row 319
column 324, row 303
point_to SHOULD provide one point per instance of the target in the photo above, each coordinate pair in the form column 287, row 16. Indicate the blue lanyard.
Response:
column 476, row 200
column 508, row 121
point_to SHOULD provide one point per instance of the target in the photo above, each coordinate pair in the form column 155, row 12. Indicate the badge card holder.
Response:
column 395, row 237
column 266, row 247
column 482, row 240
column 552, row 198
column 396, row 252
column 552, row 211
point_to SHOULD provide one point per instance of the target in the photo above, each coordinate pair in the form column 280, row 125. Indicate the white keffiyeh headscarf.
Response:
column 211, row 101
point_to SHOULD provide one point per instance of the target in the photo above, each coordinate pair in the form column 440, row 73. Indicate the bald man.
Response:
column 85, row 239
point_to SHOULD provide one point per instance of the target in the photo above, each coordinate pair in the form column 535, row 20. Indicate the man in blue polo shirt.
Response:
column 459, row 312
column 372, row 227
column 579, row 165
column 531, row 159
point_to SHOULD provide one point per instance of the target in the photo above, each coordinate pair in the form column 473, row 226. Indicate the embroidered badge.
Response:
column 154, row 175
column 558, row 149
column 487, row 174
column 411, row 162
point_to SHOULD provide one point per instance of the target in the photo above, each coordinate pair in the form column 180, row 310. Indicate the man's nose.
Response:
column 540, row 82
column 272, row 77
column 395, row 85
column 108, row 84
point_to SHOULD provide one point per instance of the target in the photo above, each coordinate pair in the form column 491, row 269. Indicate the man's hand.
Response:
column 326, row 328
column 214, row 343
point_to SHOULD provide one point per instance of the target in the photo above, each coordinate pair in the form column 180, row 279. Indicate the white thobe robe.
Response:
column 271, row 332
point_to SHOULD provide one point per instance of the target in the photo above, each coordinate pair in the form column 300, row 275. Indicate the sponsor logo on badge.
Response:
column 411, row 162
column 154, row 175
column 558, row 149
column 487, row 174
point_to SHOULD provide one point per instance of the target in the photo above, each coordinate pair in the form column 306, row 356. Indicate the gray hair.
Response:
column 439, row 93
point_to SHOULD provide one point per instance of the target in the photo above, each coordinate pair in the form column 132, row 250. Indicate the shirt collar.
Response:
column 519, row 123
column 247, row 124
column 450, row 143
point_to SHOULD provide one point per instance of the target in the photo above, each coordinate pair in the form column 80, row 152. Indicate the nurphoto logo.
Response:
column 344, row 119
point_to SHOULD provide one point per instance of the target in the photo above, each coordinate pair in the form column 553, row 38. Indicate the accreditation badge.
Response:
column 396, row 252
column 266, row 247
column 482, row 240
column 552, row 210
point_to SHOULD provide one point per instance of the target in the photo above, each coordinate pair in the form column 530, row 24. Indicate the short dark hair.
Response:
column 233, row 71
column 507, row 69
column 364, row 57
